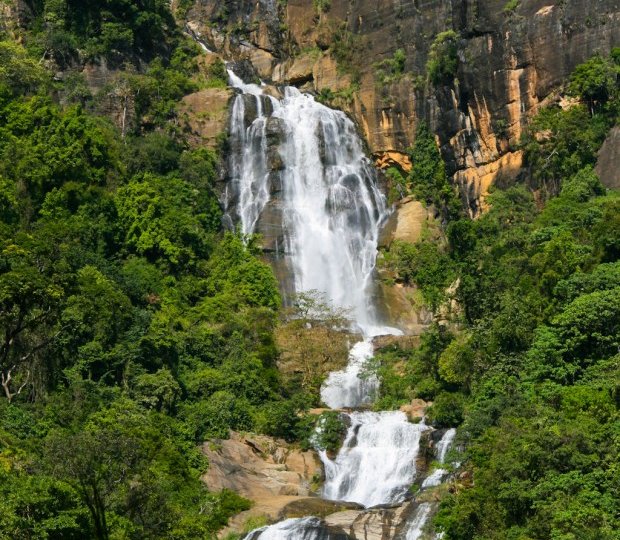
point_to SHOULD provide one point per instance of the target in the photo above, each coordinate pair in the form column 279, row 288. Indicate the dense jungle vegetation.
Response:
column 132, row 328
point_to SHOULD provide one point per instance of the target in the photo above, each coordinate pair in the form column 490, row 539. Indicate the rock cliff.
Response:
column 511, row 57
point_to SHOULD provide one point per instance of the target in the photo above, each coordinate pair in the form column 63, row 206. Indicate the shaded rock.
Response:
column 270, row 227
column 314, row 506
column 608, row 163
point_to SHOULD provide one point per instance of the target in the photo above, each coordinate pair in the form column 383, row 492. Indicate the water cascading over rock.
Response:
column 300, row 163
column 376, row 464
column 309, row 528
column 299, row 177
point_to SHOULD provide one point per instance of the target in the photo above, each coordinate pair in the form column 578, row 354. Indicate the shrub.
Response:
column 330, row 431
column 447, row 410
column 443, row 59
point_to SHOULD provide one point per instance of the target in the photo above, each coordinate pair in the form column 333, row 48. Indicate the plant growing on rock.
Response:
column 329, row 432
column 443, row 60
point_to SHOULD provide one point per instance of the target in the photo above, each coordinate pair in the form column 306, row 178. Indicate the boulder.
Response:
column 204, row 115
column 416, row 409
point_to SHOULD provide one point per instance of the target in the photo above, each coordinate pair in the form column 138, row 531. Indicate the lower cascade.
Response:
column 376, row 464
column 302, row 162
column 309, row 528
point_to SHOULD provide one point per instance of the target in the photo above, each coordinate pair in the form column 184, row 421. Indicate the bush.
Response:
column 216, row 416
column 322, row 6
column 278, row 419
column 594, row 81
column 443, row 60
column 447, row 410
column 330, row 431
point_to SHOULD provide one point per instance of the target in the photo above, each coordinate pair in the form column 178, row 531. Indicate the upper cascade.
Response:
column 330, row 203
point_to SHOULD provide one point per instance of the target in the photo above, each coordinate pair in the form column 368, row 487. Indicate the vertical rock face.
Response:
column 607, row 166
column 511, row 58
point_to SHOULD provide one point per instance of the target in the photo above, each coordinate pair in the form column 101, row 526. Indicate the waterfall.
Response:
column 331, row 205
column 302, row 162
column 442, row 448
column 351, row 387
column 309, row 528
column 419, row 520
column 376, row 464
column 423, row 511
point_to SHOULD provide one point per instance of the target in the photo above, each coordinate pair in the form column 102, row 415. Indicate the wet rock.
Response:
column 270, row 227
column 314, row 506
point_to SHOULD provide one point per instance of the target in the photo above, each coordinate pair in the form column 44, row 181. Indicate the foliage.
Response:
column 595, row 81
column 511, row 6
column 313, row 340
column 322, row 6
column 132, row 328
column 18, row 72
column 112, row 28
column 343, row 47
column 558, row 142
column 391, row 69
column 443, row 61
column 329, row 432
column 428, row 180
column 425, row 264
column 529, row 371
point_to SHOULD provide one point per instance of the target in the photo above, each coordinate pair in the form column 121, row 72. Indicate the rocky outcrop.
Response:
column 511, row 58
column 14, row 14
column 403, row 307
column 380, row 524
column 264, row 470
column 280, row 480
column 259, row 467
column 204, row 116
column 608, row 163
column 415, row 410
column 408, row 222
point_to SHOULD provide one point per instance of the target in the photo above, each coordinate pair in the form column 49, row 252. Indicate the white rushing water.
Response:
column 376, row 464
column 351, row 387
column 308, row 528
column 330, row 202
column 416, row 528
column 331, row 211
column 443, row 446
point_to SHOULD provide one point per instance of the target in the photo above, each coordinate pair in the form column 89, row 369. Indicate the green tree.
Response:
column 594, row 81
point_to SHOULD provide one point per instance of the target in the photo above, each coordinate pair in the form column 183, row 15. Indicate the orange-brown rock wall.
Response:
column 509, row 61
